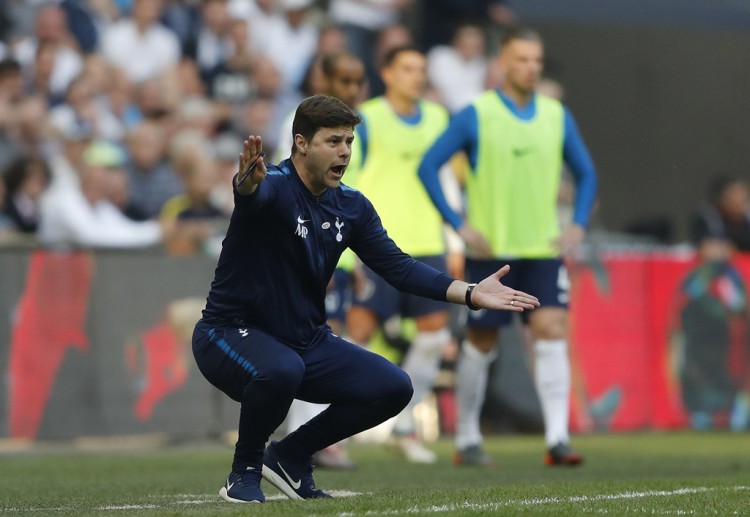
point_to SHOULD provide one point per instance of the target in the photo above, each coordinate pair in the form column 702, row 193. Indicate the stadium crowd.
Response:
column 121, row 120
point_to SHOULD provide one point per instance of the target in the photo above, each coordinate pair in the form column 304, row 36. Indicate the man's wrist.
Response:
column 245, row 189
column 469, row 303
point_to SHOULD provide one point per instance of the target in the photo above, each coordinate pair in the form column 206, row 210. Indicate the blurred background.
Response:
column 120, row 126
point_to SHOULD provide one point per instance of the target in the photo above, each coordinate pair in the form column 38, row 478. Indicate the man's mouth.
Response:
column 338, row 170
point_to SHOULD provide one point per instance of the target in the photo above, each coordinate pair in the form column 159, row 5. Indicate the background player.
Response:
column 516, row 141
column 397, row 128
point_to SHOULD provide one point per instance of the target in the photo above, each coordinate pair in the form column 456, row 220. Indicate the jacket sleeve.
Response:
column 381, row 254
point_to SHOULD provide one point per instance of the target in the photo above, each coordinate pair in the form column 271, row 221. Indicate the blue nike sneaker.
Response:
column 295, row 480
column 243, row 486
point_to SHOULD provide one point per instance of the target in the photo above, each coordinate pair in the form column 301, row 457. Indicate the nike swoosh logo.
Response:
column 300, row 220
column 229, row 485
column 295, row 484
column 522, row 151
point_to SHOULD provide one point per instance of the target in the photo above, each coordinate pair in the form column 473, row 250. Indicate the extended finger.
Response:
column 252, row 146
column 519, row 297
column 248, row 152
column 502, row 272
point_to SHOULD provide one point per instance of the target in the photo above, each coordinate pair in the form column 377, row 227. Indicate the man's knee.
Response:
column 398, row 391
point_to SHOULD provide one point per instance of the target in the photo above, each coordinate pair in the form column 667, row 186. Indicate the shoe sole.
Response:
column 224, row 495
column 279, row 482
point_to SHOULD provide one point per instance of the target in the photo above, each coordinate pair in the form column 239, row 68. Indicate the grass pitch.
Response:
column 625, row 474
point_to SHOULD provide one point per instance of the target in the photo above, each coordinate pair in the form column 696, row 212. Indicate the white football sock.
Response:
column 471, row 384
column 422, row 363
column 552, row 380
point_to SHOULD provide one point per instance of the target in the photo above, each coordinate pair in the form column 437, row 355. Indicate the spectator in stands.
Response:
column 82, row 109
column 102, row 13
column 119, row 195
column 291, row 49
column 7, row 227
column 262, row 16
column 120, row 97
column 265, row 113
column 98, row 72
column 362, row 23
column 11, row 94
column 197, row 113
column 153, row 101
column 330, row 39
column 727, row 214
column 82, row 214
column 198, row 222
column 11, row 82
column 152, row 180
column 52, row 43
column 25, row 180
column 183, row 18
column 457, row 72
column 189, row 80
column 37, row 76
column 67, row 163
column 241, row 56
column 139, row 44
column 440, row 18
column 81, row 16
column 17, row 19
column 231, row 82
column 211, row 44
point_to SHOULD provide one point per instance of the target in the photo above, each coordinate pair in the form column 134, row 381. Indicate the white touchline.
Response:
column 544, row 500
column 197, row 499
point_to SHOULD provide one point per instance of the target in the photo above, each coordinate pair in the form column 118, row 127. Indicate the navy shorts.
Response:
column 385, row 301
column 547, row 279
column 338, row 297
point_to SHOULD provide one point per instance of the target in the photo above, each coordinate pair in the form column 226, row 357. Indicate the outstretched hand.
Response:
column 252, row 166
column 490, row 293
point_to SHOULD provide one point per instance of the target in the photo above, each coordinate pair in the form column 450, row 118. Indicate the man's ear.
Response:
column 300, row 143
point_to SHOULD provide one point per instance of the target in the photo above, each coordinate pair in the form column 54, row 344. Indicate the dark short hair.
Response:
column 393, row 53
column 321, row 111
column 8, row 67
column 520, row 32
column 720, row 184
column 17, row 171
column 330, row 61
